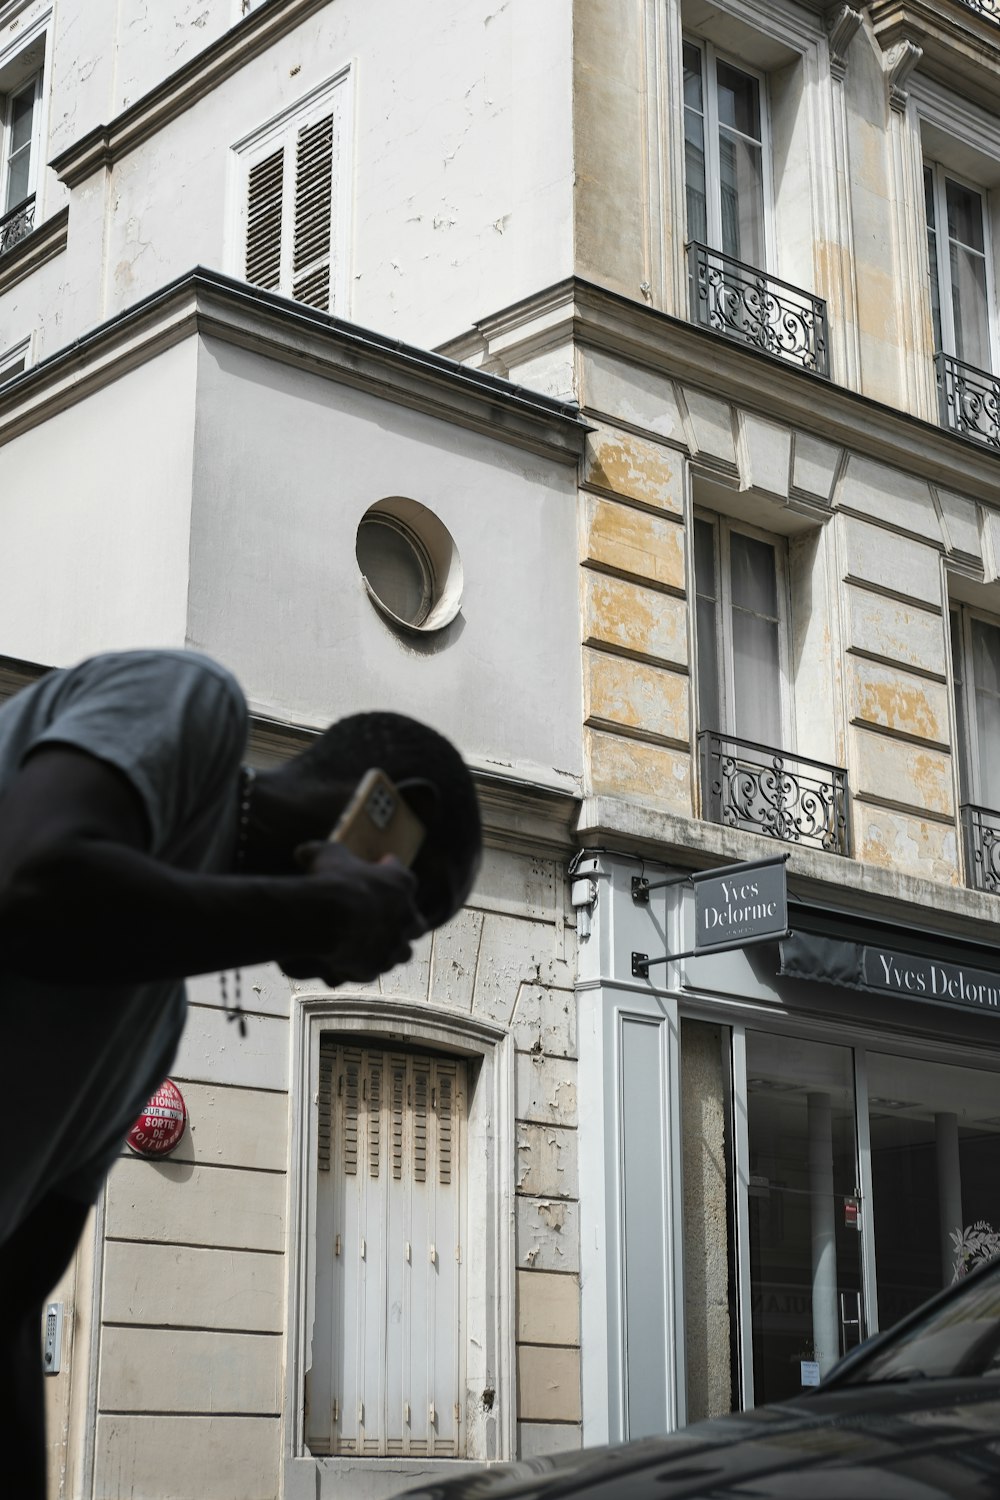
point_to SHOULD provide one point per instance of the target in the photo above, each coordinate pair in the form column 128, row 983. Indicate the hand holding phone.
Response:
column 377, row 821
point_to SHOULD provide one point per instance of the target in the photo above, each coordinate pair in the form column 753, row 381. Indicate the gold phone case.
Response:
column 377, row 821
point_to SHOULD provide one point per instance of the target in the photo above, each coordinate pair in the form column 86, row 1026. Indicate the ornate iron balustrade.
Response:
column 981, row 833
column 788, row 797
column 989, row 8
column 969, row 398
column 17, row 224
column 748, row 305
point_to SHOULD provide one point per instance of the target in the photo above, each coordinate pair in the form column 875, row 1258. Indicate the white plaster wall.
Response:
column 95, row 514
column 286, row 465
column 462, row 161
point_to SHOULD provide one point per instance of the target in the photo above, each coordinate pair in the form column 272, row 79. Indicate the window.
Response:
column 958, row 256
column 388, row 1372
column 975, row 651
column 739, row 588
column 13, row 361
column 726, row 165
column 292, row 207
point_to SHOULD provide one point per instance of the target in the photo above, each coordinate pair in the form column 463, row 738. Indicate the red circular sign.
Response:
column 160, row 1126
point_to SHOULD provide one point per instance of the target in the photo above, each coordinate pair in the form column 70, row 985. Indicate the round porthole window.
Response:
column 410, row 564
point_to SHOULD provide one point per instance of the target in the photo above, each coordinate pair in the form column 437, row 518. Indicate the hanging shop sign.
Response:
column 160, row 1126
column 733, row 908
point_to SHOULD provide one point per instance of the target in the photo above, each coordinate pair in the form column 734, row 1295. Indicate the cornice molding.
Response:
column 209, row 304
column 43, row 243
column 960, row 45
column 519, row 814
column 106, row 144
column 591, row 316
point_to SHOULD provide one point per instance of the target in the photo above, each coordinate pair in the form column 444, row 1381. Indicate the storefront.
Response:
column 785, row 1146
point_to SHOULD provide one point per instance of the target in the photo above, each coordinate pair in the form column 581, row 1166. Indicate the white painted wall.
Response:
column 95, row 517
column 286, row 464
column 462, row 159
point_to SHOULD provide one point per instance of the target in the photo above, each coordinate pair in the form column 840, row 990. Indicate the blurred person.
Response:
column 136, row 848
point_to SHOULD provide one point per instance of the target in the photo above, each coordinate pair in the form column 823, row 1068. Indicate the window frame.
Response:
column 489, row 1265
column 335, row 97
column 711, row 56
column 940, row 176
column 723, row 528
column 963, row 682
column 17, row 354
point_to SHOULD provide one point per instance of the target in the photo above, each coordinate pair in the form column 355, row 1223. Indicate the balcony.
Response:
column 754, row 308
column 981, row 836
column 990, row 8
column 786, row 797
column 969, row 399
column 17, row 225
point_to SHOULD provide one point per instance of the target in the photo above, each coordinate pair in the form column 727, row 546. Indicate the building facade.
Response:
column 614, row 383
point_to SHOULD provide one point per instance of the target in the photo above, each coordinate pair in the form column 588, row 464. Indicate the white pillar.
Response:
column 949, row 1176
column 826, row 1327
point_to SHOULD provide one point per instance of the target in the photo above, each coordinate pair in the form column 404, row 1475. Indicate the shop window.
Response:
column 292, row 205
column 935, row 1155
column 388, row 1374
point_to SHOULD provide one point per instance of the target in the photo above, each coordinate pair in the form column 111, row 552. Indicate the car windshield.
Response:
column 959, row 1338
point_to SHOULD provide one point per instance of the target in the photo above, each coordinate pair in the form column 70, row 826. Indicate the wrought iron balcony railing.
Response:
column 989, row 8
column 788, row 797
column 18, row 223
column 981, row 834
column 757, row 309
column 969, row 399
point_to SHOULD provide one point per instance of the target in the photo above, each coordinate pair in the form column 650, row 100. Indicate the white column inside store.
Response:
column 826, row 1334
column 949, row 1176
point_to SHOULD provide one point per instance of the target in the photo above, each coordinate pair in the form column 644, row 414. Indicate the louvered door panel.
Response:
column 313, row 232
column 392, row 1314
column 265, row 189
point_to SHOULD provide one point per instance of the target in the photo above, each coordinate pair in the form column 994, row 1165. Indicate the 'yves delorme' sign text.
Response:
column 929, row 979
column 748, row 906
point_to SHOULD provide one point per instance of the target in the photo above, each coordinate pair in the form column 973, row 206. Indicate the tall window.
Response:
column 292, row 208
column 975, row 650
column 20, row 142
column 725, row 156
column 740, row 623
column 387, row 1375
column 957, row 246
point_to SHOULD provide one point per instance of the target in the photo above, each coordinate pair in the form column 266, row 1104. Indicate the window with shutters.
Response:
column 388, row 1376
column 292, row 201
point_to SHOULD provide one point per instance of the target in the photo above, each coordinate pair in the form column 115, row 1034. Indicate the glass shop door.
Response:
column 803, row 1213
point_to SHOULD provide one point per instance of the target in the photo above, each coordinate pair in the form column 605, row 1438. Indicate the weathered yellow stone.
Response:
column 548, row 1384
column 619, row 612
column 894, row 771
column 635, row 542
column 635, row 467
column 617, row 690
column 629, row 768
column 897, row 700
column 548, row 1308
column 908, row 845
column 902, row 632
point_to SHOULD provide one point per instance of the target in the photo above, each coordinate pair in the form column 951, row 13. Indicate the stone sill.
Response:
column 41, row 244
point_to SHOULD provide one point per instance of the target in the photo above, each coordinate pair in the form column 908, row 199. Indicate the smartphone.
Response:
column 377, row 821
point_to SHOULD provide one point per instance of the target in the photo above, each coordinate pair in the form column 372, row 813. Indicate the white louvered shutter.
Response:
column 292, row 204
column 388, row 1373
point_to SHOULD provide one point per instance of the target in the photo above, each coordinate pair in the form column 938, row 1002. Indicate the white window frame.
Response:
column 19, row 355
column 489, row 1321
column 10, row 56
column 940, row 174
column 711, row 56
column 970, row 777
column 723, row 528
column 333, row 96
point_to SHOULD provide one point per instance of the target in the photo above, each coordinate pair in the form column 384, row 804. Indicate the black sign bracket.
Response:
column 750, row 920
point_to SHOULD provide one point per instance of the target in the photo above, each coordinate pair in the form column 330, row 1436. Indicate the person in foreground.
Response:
column 136, row 849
